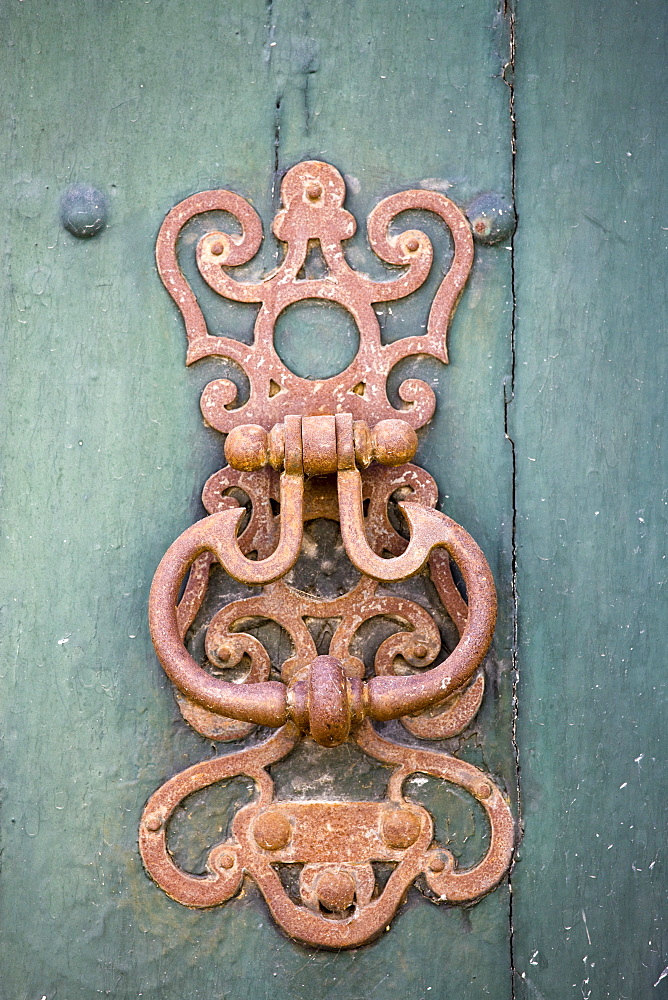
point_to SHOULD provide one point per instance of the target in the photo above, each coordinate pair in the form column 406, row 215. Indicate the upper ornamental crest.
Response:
column 313, row 195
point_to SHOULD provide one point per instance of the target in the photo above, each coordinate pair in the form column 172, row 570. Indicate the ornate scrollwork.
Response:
column 313, row 195
column 418, row 647
column 343, row 449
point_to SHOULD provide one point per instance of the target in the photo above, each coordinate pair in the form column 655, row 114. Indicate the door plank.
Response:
column 105, row 454
column 589, row 422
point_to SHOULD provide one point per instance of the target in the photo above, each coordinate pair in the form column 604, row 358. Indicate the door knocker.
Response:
column 333, row 448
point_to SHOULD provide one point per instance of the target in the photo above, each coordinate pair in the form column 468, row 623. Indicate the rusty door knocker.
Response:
column 333, row 448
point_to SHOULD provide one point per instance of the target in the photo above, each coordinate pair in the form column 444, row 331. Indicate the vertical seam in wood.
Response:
column 509, row 12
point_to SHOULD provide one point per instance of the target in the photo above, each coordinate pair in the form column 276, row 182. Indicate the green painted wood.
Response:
column 589, row 422
column 105, row 454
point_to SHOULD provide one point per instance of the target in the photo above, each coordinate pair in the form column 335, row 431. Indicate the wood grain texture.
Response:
column 105, row 454
column 589, row 423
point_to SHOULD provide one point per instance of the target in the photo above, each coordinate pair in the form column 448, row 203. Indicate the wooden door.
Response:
column 546, row 445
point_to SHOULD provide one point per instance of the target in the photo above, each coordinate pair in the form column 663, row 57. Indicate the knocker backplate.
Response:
column 331, row 450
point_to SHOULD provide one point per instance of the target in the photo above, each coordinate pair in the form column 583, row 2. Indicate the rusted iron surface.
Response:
column 300, row 450
column 268, row 702
column 328, row 443
column 336, row 843
column 275, row 391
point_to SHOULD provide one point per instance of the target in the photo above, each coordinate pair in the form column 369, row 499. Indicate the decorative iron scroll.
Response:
column 335, row 448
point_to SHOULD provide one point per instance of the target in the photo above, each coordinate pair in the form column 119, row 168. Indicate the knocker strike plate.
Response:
column 303, row 449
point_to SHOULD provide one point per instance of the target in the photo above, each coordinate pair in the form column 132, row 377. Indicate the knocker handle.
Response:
column 263, row 703
column 326, row 703
column 392, row 697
